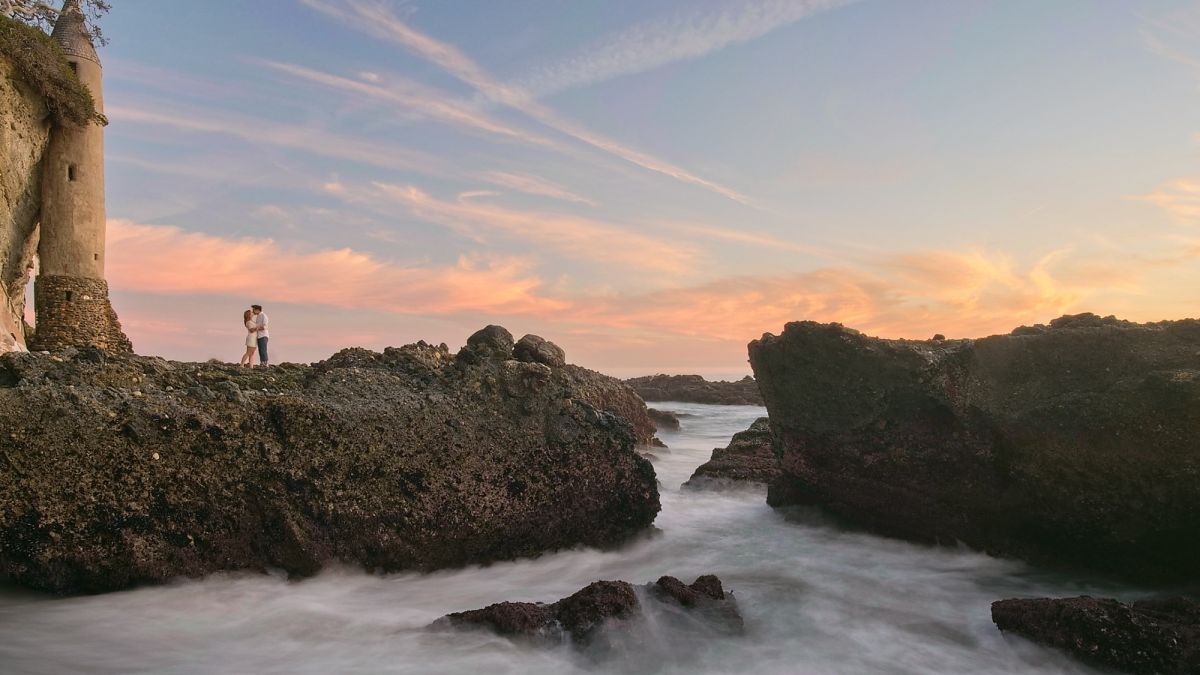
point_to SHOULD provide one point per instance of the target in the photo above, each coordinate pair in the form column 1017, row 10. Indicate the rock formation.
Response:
column 1150, row 636
column 749, row 458
column 1074, row 442
column 696, row 389
column 663, row 419
column 120, row 470
column 613, row 395
column 579, row 617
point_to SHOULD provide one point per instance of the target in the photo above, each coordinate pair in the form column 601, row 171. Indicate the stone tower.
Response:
column 70, row 293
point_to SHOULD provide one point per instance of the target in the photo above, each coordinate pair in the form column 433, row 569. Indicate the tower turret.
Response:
column 70, row 293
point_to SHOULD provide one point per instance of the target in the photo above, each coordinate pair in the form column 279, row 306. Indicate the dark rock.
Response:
column 491, row 342
column 695, row 389
column 663, row 419
column 614, row 396
column 1073, row 443
column 136, row 470
column 535, row 349
column 579, row 616
column 1149, row 636
column 587, row 609
column 749, row 458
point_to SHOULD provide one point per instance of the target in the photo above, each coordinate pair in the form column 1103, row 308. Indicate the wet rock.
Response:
column 663, row 419
column 695, row 389
column 1150, row 636
column 409, row 459
column 535, row 349
column 1074, row 443
column 579, row 617
column 749, row 458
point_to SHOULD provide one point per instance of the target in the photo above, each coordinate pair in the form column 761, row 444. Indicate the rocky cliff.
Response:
column 1075, row 442
column 116, row 471
column 37, row 92
column 24, row 133
column 696, row 389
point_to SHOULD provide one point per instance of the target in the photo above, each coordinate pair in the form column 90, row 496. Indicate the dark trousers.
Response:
column 262, row 350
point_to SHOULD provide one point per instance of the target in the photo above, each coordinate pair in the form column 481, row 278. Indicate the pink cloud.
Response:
column 168, row 260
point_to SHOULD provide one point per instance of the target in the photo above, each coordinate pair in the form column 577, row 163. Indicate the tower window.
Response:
column 71, row 172
column 70, row 295
column 74, row 67
column 95, row 256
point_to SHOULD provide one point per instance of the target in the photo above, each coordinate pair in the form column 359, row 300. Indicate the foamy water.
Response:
column 816, row 599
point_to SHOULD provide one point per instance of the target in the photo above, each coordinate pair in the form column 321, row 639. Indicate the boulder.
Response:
column 535, row 349
column 749, row 458
column 491, row 342
column 696, row 389
column 1074, row 442
column 579, row 617
column 1159, row 635
column 128, row 470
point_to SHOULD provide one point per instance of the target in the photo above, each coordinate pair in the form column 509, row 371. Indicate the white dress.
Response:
column 251, row 336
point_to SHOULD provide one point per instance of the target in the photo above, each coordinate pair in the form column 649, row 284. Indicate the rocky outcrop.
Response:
column 24, row 134
column 749, row 458
column 579, row 617
column 120, row 470
column 614, row 396
column 1074, row 442
column 1150, row 636
column 696, row 389
column 535, row 349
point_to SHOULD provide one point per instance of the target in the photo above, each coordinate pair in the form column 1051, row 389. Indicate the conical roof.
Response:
column 71, row 33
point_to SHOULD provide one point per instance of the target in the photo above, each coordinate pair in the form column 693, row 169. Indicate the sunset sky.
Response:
column 649, row 184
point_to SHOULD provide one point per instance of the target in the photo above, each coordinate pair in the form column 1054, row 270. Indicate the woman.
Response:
column 251, row 341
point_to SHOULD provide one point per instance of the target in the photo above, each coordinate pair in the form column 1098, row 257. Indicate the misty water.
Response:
column 816, row 599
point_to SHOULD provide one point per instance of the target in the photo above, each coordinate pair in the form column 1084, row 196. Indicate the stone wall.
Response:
column 24, row 134
column 76, row 312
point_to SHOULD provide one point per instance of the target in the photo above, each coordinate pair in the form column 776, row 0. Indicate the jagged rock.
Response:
column 1073, row 443
column 578, row 617
column 663, row 419
column 131, row 470
column 536, row 349
column 1150, row 636
column 749, row 458
column 695, row 389
column 613, row 395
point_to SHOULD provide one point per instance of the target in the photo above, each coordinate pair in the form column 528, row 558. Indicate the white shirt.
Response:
column 261, row 322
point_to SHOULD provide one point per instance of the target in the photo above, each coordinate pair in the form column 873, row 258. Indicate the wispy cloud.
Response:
column 171, row 261
column 415, row 98
column 376, row 18
column 1180, row 198
column 269, row 132
column 535, row 186
column 577, row 237
column 657, row 42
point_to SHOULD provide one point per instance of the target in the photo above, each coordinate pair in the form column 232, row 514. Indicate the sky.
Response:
column 651, row 185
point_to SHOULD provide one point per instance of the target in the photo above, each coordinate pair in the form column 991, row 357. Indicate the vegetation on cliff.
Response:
column 39, row 63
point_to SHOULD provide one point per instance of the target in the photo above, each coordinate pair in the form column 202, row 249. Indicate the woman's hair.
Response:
column 246, row 316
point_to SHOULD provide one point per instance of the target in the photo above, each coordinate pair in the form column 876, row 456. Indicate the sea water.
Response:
column 816, row 598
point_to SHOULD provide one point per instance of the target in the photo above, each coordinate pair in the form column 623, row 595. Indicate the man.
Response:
column 260, row 322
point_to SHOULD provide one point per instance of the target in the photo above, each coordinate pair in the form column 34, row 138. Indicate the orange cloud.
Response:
column 168, row 260
column 1180, row 198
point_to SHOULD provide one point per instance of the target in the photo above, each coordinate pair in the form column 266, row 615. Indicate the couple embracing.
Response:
column 256, row 336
